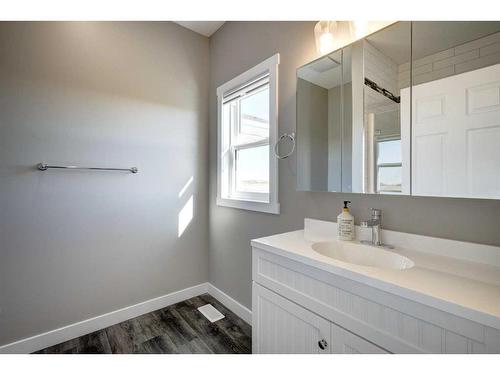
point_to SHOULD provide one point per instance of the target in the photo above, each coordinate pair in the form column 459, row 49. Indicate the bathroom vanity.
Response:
column 412, row 109
column 315, row 294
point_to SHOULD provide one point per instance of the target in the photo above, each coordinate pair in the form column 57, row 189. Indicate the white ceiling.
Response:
column 325, row 72
column 206, row 28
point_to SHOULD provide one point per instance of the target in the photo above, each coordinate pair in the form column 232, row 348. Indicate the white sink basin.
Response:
column 362, row 255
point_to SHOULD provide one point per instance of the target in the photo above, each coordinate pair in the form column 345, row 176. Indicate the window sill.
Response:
column 270, row 208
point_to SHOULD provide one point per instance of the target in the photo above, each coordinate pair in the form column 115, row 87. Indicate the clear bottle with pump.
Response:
column 345, row 224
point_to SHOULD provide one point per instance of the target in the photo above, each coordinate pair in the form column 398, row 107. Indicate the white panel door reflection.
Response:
column 456, row 135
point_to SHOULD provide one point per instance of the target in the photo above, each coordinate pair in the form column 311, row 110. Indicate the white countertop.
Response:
column 462, row 287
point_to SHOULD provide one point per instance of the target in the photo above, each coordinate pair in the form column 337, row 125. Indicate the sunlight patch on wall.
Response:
column 186, row 186
column 186, row 215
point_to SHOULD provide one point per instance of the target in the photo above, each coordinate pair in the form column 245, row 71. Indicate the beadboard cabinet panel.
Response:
column 345, row 342
column 281, row 326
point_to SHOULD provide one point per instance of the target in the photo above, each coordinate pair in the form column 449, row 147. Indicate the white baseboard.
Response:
column 44, row 340
column 56, row 336
column 233, row 305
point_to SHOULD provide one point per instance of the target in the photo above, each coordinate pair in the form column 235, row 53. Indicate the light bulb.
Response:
column 359, row 28
column 325, row 43
column 324, row 34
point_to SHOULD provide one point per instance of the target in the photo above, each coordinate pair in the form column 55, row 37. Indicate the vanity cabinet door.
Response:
column 345, row 342
column 281, row 326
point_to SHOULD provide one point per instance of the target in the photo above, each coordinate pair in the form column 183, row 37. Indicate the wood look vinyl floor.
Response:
column 178, row 328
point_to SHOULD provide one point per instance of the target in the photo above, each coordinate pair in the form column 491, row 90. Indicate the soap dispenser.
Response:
column 345, row 224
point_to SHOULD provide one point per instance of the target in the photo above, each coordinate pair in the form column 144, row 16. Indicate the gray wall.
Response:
column 334, row 140
column 312, row 115
column 75, row 245
column 238, row 46
column 347, row 138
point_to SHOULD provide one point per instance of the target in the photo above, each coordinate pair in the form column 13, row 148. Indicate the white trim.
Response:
column 270, row 66
column 270, row 208
column 71, row 331
column 233, row 305
column 246, row 88
column 250, row 74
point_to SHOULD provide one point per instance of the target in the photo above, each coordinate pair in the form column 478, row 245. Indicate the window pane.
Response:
column 252, row 170
column 389, row 179
column 389, row 152
column 254, row 116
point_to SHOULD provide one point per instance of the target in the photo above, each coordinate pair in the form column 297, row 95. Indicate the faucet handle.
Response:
column 376, row 211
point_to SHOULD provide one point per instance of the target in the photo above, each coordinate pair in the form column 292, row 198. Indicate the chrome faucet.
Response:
column 375, row 222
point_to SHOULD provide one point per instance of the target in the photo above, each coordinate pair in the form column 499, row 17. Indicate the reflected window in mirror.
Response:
column 389, row 166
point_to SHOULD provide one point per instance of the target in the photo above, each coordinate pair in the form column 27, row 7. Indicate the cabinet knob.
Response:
column 322, row 344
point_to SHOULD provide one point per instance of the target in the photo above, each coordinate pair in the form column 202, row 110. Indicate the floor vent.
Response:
column 211, row 313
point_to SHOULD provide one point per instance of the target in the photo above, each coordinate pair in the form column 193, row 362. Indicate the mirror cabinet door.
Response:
column 456, row 109
column 319, row 124
column 353, row 119
column 377, row 114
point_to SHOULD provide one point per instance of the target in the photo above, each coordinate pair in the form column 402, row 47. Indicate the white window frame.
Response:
column 252, row 201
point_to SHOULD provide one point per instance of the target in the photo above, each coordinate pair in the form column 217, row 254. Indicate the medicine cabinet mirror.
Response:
column 413, row 109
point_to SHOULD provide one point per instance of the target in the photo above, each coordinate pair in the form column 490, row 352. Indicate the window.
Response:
column 389, row 166
column 247, row 172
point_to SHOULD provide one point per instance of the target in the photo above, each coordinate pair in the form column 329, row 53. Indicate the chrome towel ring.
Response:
column 290, row 136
